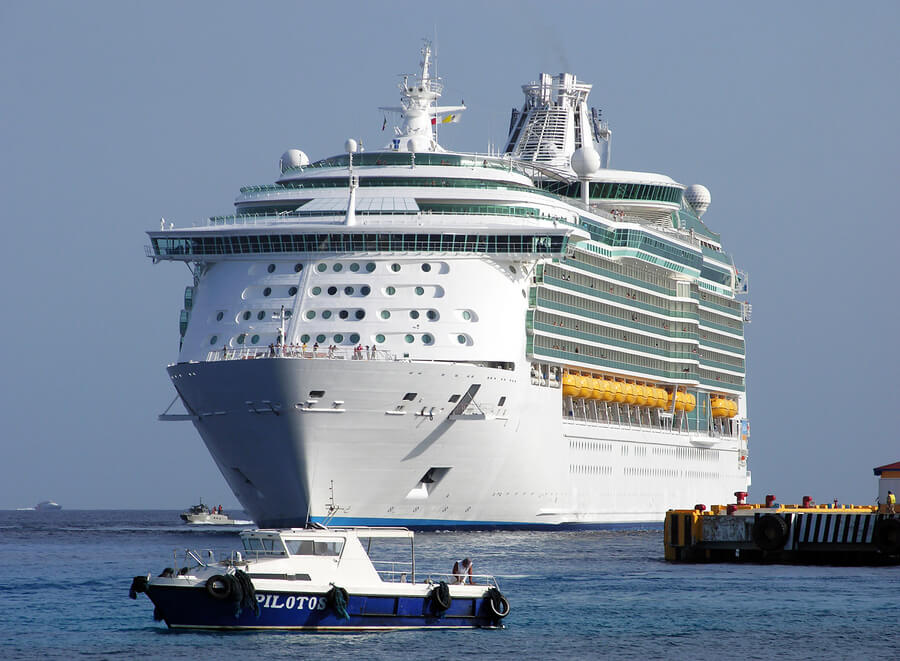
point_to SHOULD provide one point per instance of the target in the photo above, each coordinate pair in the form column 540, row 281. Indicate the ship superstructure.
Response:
column 435, row 338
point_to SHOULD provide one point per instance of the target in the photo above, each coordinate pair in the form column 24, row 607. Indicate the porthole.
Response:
column 310, row 314
column 413, row 314
column 261, row 315
column 420, row 291
column 219, row 316
column 316, row 291
column 426, row 267
column 365, row 290
column 354, row 267
column 379, row 338
column 432, row 315
column 271, row 268
column 390, row 291
column 304, row 338
column 320, row 338
column 321, row 267
column 247, row 315
column 467, row 315
column 427, row 339
column 337, row 267
column 395, row 268
column 254, row 339
column 409, row 339
column 512, row 269
column 288, row 314
column 214, row 339
column 338, row 338
column 354, row 338
column 241, row 338
column 326, row 314
column 267, row 291
column 343, row 314
column 370, row 267
column 332, row 290
column 360, row 314
column 385, row 314
column 292, row 291
column 461, row 339
column 298, row 268
column 349, row 291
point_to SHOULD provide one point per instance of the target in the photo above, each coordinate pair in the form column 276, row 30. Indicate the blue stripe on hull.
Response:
column 194, row 608
column 441, row 524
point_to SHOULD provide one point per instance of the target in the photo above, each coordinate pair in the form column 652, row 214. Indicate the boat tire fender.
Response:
column 138, row 584
column 887, row 536
column 440, row 598
column 770, row 532
column 498, row 603
column 338, row 600
column 218, row 587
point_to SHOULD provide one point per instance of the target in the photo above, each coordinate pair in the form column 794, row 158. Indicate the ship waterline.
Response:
column 420, row 337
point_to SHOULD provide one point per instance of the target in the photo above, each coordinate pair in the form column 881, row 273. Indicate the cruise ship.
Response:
column 424, row 337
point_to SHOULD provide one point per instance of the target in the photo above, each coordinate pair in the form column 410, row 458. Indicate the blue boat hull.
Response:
column 194, row 608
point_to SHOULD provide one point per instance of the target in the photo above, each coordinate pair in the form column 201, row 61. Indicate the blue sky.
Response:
column 113, row 114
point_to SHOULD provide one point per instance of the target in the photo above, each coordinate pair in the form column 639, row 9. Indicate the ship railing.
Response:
column 624, row 416
column 299, row 351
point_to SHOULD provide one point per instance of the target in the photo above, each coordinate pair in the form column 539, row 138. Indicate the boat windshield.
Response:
column 314, row 547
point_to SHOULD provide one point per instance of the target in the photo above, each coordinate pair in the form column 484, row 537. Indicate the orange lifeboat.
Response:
column 641, row 399
column 619, row 390
column 570, row 386
column 630, row 394
column 690, row 402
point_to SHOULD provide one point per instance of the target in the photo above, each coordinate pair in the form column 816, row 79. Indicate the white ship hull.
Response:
column 513, row 465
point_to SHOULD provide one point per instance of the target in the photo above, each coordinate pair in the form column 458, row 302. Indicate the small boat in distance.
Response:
column 318, row 579
column 202, row 514
column 47, row 506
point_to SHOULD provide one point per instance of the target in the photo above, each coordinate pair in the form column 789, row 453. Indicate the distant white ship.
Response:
column 439, row 338
column 43, row 506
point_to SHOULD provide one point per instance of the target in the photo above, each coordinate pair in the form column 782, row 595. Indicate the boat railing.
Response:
column 451, row 579
column 299, row 351
column 401, row 572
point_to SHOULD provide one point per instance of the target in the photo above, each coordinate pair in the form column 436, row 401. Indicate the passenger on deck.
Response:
column 462, row 571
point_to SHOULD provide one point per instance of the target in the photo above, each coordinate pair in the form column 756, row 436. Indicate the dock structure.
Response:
column 803, row 534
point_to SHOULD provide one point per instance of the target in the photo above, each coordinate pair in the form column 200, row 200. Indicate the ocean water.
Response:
column 64, row 579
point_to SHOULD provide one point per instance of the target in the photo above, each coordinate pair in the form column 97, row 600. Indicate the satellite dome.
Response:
column 698, row 197
column 293, row 158
column 585, row 161
column 350, row 146
column 418, row 143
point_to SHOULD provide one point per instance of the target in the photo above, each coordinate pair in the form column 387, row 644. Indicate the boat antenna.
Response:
column 331, row 508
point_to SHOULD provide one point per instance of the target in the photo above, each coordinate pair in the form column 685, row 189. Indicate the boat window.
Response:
column 316, row 394
column 310, row 547
column 453, row 399
column 410, row 396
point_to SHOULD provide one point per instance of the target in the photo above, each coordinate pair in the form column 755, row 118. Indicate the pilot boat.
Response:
column 318, row 579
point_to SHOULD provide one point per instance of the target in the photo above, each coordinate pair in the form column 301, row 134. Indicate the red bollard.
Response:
column 808, row 501
column 770, row 500
column 741, row 497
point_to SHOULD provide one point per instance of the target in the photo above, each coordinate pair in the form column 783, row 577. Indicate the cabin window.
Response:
column 316, row 394
column 410, row 396
column 310, row 547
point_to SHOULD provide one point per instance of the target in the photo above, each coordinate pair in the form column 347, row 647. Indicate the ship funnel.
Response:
column 555, row 121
